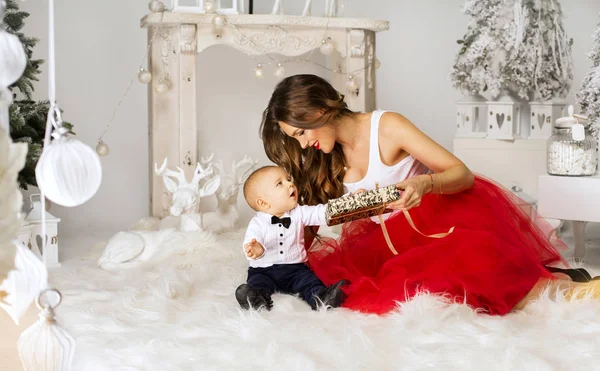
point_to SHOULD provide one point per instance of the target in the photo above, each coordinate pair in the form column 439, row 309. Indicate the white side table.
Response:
column 571, row 198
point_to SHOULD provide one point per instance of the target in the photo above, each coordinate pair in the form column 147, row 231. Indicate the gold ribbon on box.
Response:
column 410, row 222
column 378, row 210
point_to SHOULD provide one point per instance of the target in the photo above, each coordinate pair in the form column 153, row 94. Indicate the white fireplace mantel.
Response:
column 181, row 36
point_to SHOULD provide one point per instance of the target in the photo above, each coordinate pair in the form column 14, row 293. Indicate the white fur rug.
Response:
column 180, row 313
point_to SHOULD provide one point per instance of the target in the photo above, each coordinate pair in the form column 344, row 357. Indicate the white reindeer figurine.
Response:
column 130, row 248
column 187, row 195
column 226, row 216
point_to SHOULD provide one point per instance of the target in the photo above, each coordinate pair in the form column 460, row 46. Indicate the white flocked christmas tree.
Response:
column 472, row 72
column 516, row 46
column 549, row 47
column 589, row 95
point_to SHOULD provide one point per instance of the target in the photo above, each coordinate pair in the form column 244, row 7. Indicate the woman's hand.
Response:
column 413, row 191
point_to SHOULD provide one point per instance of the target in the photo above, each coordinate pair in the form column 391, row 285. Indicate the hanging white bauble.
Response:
column 326, row 47
column 280, row 71
column 102, row 149
column 12, row 58
column 209, row 6
column 258, row 71
column 218, row 22
column 162, row 86
column 46, row 346
column 144, row 76
column 156, row 6
column 352, row 85
column 377, row 64
column 69, row 172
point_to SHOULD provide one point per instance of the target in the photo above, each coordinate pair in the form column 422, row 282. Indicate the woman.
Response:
column 495, row 259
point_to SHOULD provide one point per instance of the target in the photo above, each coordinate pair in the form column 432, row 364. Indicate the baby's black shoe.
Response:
column 332, row 296
column 247, row 296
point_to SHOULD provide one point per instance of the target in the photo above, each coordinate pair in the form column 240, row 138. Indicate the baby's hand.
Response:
column 254, row 249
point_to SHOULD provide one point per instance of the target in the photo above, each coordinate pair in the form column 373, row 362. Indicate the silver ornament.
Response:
column 162, row 86
column 326, row 47
column 210, row 6
column 144, row 76
column 280, row 71
column 258, row 71
column 352, row 85
column 218, row 22
column 102, row 149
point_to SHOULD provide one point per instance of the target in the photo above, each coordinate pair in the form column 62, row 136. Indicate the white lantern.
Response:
column 25, row 236
column 471, row 117
column 504, row 117
column 45, row 346
column 50, row 253
column 543, row 114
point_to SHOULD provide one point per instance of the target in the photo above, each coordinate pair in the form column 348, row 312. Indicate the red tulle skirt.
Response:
column 494, row 257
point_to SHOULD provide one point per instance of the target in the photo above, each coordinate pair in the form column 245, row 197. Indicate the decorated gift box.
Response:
column 361, row 205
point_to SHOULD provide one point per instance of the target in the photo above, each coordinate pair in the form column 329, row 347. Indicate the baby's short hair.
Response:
column 250, row 192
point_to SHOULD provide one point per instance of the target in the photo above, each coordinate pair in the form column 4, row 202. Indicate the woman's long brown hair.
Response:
column 305, row 102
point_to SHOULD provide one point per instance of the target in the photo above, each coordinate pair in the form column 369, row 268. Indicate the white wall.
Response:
column 100, row 45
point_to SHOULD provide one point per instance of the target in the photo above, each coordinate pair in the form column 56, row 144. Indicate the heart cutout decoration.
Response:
column 500, row 119
column 541, row 117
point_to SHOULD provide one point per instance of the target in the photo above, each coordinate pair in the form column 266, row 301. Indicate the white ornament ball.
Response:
column 156, row 6
column 162, row 86
column 218, row 22
column 12, row 58
column 258, row 71
column 102, row 149
column 352, row 85
column 68, row 172
column 144, row 76
column 326, row 47
column 280, row 71
column 209, row 6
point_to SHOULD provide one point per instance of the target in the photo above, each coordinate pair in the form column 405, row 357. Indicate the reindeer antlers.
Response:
column 164, row 172
column 240, row 170
column 243, row 162
column 206, row 160
column 201, row 173
column 241, row 177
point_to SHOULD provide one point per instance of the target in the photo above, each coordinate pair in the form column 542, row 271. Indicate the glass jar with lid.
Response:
column 572, row 147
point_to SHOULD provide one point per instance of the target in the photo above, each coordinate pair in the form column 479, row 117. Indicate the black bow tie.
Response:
column 285, row 221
